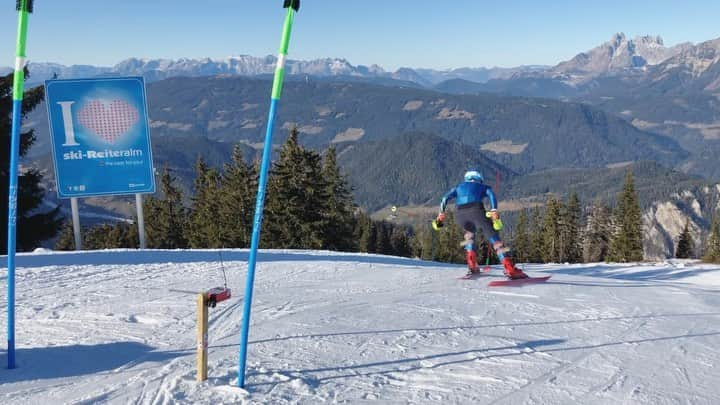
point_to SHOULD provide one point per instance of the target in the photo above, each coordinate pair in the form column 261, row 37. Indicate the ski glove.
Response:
column 441, row 217
column 495, row 217
column 494, row 214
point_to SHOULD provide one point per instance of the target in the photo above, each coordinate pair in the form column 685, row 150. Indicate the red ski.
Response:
column 518, row 281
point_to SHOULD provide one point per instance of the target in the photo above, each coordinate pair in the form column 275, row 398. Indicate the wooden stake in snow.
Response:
column 202, row 336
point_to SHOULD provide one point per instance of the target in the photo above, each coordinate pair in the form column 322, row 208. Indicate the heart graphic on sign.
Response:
column 108, row 121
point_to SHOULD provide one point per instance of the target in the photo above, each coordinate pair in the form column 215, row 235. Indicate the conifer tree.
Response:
column 95, row 237
column 131, row 234
column 372, row 239
column 712, row 246
column 383, row 245
column 449, row 248
column 400, row 241
column 423, row 241
column 521, row 243
column 339, row 218
column 103, row 236
column 686, row 246
column 551, row 242
column 626, row 244
column 66, row 238
column 166, row 217
column 236, row 205
column 297, row 199
column 364, row 233
column 33, row 225
column 203, row 227
column 117, row 236
column 570, row 231
column 597, row 233
column 110, row 236
column 536, row 238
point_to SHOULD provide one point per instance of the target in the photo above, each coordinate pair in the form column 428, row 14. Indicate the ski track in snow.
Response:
column 119, row 327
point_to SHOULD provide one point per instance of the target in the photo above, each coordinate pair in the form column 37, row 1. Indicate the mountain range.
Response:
column 245, row 65
column 617, row 56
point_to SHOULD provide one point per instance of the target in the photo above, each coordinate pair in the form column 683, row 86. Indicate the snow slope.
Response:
column 119, row 327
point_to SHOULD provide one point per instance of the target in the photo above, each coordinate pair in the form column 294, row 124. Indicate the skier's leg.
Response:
column 465, row 219
column 470, row 254
column 502, row 251
column 491, row 235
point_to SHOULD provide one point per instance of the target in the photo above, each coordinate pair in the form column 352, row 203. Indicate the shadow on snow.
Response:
column 476, row 354
column 497, row 325
column 78, row 360
column 396, row 366
column 651, row 273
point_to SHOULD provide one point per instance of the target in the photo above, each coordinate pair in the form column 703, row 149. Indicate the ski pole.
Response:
column 24, row 7
column 293, row 6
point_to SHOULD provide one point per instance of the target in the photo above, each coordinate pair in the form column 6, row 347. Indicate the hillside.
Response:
column 410, row 169
column 119, row 327
column 666, row 90
column 417, row 168
column 653, row 182
column 524, row 134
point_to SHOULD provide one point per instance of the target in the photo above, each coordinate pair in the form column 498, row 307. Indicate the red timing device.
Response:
column 217, row 294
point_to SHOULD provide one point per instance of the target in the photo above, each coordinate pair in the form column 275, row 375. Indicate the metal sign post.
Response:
column 141, row 220
column 76, row 223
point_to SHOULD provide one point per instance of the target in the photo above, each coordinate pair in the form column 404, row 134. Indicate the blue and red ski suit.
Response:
column 469, row 196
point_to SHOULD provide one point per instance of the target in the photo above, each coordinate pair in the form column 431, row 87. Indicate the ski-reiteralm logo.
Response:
column 108, row 119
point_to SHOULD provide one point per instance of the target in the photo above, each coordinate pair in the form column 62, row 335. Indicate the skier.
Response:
column 471, row 215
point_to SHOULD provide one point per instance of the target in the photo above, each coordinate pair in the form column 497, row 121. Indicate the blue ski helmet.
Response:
column 473, row 175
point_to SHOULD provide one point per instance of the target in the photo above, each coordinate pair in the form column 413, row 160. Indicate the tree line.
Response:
column 564, row 232
column 308, row 205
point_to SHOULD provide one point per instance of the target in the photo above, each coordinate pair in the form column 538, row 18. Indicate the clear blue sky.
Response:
column 391, row 33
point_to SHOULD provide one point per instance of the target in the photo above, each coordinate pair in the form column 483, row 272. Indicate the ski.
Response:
column 518, row 281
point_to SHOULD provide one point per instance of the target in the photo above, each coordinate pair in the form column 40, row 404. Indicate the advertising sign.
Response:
column 100, row 136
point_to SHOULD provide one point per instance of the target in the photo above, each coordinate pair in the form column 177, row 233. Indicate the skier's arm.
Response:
column 449, row 196
column 491, row 196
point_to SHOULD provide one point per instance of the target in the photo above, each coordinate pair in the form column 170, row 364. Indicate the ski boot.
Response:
column 473, row 267
column 511, row 271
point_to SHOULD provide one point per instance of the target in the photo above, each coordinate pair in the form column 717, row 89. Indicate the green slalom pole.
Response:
column 293, row 6
column 24, row 7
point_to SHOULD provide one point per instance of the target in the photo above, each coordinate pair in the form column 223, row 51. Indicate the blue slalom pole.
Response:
column 292, row 6
column 24, row 7
column 12, row 226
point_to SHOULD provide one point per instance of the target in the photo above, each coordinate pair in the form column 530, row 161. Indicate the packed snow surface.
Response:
column 120, row 327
